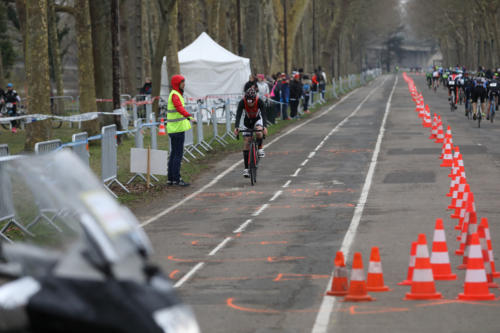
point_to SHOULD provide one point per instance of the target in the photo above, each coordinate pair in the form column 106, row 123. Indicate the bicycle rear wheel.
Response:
column 479, row 116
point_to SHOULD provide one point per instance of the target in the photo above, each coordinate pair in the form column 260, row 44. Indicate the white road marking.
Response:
column 323, row 317
column 287, row 183
column 261, row 209
column 189, row 274
column 225, row 172
column 311, row 154
column 277, row 194
column 296, row 172
column 243, row 226
column 220, row 246
column 305, row 162
column 232, row 167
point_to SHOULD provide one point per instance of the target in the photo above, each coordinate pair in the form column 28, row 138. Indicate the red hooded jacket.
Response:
column 175, row 82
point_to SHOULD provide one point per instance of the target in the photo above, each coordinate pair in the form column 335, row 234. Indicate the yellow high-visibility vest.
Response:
column 176, row 122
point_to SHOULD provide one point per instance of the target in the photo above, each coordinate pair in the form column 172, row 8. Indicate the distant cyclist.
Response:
column 468, row 86
column 254, row 119
column 435, row 78
column 478, row 93
column 493, row 92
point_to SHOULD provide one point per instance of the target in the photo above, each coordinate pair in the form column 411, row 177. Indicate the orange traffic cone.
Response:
column 422, row 286
column 476, row 284
column 440, row 260
column 427, row 122
column 440, row 134
column 339, row 281
column 375, row 277
column 162, row 132
column 357, row 288
column 491, row 258
column 411, row 265
column 471, row 218
column 448, row 154
column 455, row 161
column 486, row 261
column 434, row 127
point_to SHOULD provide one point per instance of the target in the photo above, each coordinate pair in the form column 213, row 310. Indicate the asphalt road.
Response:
column 358, row 174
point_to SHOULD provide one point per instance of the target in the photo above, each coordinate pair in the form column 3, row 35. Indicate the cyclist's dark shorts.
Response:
column 251, row 123
column 478, row 92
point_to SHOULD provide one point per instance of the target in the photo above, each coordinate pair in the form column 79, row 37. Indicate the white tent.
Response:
column 209, row 69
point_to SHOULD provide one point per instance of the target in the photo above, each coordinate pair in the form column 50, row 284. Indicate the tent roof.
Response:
column 205, row 48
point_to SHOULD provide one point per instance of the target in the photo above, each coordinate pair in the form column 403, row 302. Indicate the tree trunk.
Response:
column 21, row 14
column 100, row 11
column 128, row 25
column 146, row 50
column 39, row 85
column 2, row 75
column 55, row 49
column 172, row 49
column 115, row 41
column 85, row 65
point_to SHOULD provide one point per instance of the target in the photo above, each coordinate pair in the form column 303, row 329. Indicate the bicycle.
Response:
column 468, row 107
column 452, row 97
column 493, row 107
column 253, row 155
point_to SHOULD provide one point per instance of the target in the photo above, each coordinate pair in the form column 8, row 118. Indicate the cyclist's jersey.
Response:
column 435, row 74
column 252, row 114
column 493, row 88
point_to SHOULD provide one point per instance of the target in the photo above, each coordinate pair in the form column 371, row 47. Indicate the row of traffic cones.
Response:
column 474, row 247
column 357, row 289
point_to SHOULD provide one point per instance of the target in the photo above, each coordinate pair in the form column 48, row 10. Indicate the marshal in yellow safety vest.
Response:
column 176, row 122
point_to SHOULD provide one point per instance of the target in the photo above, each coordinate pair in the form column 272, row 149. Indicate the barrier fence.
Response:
column 212, row 111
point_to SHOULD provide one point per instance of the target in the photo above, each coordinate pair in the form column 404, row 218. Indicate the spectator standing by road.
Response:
column 11, row 96
column 263, row 87
column 285, row 96
column 147, row 88
column 178, row 122
column 295, row 94
column 322, row 83
column 252, row 83
column 275, row 97
column 314, row 85
column 306, row 91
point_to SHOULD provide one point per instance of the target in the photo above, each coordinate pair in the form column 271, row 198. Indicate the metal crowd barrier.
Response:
column 4, row 150
column 139, row 143
column 199, row 130
column 80, row 147
column 7, row 212
column 47, row 146
column 109, row 166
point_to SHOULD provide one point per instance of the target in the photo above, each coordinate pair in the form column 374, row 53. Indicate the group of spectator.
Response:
column 282, row 91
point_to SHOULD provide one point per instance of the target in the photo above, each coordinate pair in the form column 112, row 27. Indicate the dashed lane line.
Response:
column 323, row 317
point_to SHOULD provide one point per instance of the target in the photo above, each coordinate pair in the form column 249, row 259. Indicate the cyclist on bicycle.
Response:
column 452, row 87
column 493, row 92
column 254, row 119
column 428, row 76
column 478, row 93
column 468, row 85
column 435, row 78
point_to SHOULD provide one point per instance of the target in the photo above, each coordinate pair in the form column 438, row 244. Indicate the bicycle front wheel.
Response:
column 252, row 164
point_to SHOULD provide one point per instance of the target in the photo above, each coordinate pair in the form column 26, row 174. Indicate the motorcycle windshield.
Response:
column 54, row 201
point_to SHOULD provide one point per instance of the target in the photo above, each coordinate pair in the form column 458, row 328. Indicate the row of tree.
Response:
column 120, row 42
column 467, row 31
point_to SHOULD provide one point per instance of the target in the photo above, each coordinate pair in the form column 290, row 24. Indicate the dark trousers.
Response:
column 277, row 109
column 306, row 102
column 294, row 105
column 284, row 112
column 175, row 159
